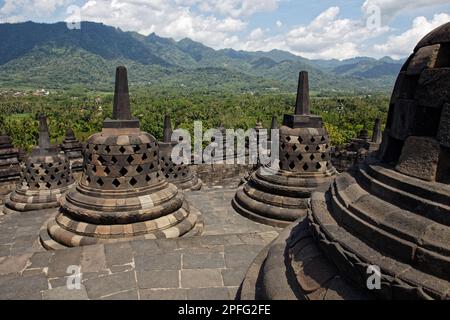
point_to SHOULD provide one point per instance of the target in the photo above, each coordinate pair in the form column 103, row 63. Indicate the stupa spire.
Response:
column 121, row 108
column 302, row 106
column 44, row 136
column 167, row 129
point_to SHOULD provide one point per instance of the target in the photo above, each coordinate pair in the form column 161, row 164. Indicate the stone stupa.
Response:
column 45, row 177
column 9, row 167
column 182, row 175
column 73, row 150
column 382, row 231
column 122, row 194
column 278, row 197
column 346, row 157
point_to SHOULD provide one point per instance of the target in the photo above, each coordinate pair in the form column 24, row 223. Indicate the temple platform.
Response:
column 211, row 266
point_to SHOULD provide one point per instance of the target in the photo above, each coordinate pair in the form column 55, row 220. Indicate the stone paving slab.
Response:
column 210, row 266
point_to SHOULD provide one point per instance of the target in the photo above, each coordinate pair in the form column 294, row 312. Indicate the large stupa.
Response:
column 382, row 231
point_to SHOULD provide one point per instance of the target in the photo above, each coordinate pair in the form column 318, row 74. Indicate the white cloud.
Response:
column 279, row 24
column 327, row 36
column 390, row 8
column 233, row 8
column 19, row 10
column 403, row 44
column 166, row 18
column 256, row 34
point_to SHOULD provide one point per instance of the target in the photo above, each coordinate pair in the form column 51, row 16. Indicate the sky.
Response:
column 315, row 29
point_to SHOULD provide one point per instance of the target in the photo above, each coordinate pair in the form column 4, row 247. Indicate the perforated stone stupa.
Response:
column 45, row 177
column 122, row 194
column 73, row 150
column 182, row 175
column 278, row 197
column 392, row 214
column 9, row 167
column 344, row 158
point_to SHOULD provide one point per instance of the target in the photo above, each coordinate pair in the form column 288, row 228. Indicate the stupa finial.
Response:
column 302, row 106
column 121, row 109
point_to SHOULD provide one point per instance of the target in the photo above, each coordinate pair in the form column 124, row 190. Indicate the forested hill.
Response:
column 51, row 56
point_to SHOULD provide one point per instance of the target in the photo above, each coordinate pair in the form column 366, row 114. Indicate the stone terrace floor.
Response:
column 208, row 267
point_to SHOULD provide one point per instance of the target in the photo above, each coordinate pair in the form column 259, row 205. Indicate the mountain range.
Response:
column 51, row 56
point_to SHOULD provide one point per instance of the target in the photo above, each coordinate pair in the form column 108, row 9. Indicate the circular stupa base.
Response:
column 61, row 232
column 276, row 197
column 28, row 200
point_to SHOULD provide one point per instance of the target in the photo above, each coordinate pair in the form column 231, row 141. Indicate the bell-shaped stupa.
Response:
column 182, row 175
column 73, row 150
column 122, row 194
column 383, row 230
column 279, row 196
column 45, row 178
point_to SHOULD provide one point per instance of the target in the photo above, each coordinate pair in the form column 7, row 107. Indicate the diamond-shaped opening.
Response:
column 149, row 145
column 41, row 178
column 313, row 140
column 323, row 156
column 288, row 138
column 300, row 139
column 148, row 178
column 130, row 159
column 46, row 171
column 163, row 159
column 171, row 170
column 94, row 168
column 122, row 149
column 283, row 146
column 318, row 166
column 167, row 176
column 108, row 149
column 307, row 148
column 100, row 182
column 152, row 166
column 133, row 182
column 136, row 148
column 300, row 157
column 116, row 183
column 101, row 160
column 52, row 177
column 294, row 147
column 123, row 171
column 292, row 165
column 155, row 154
column 90, row 157
column 107, row 170
column 48, row 185
column 59, row 183
column 312, row 157
column 88, row 179
column 37, row 185
column 175, row 176
column 114, row 160
column 96, row 148
column 180, row 139
column 287, row 155
column 144, row 156
column 317, row 148
column 50, row 165
column 305, row 167
column 322, row 139
column 139, row 169
column 327, row 146
column 184, row 174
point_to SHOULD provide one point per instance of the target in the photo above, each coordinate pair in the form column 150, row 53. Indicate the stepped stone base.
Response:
column 22, row 200
column 377, row 217
column 68, row 233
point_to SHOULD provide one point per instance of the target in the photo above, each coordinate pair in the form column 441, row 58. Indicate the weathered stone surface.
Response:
column 62, row 293
column 433, row 88
column 122, row 193
column 419, row 158
column 403, row 118
column 108, row 285
column 444, row 126
column 204, row 278
column 425, row 58
column 158, row 279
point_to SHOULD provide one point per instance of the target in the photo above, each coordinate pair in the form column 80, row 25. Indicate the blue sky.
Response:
column 319, row 29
